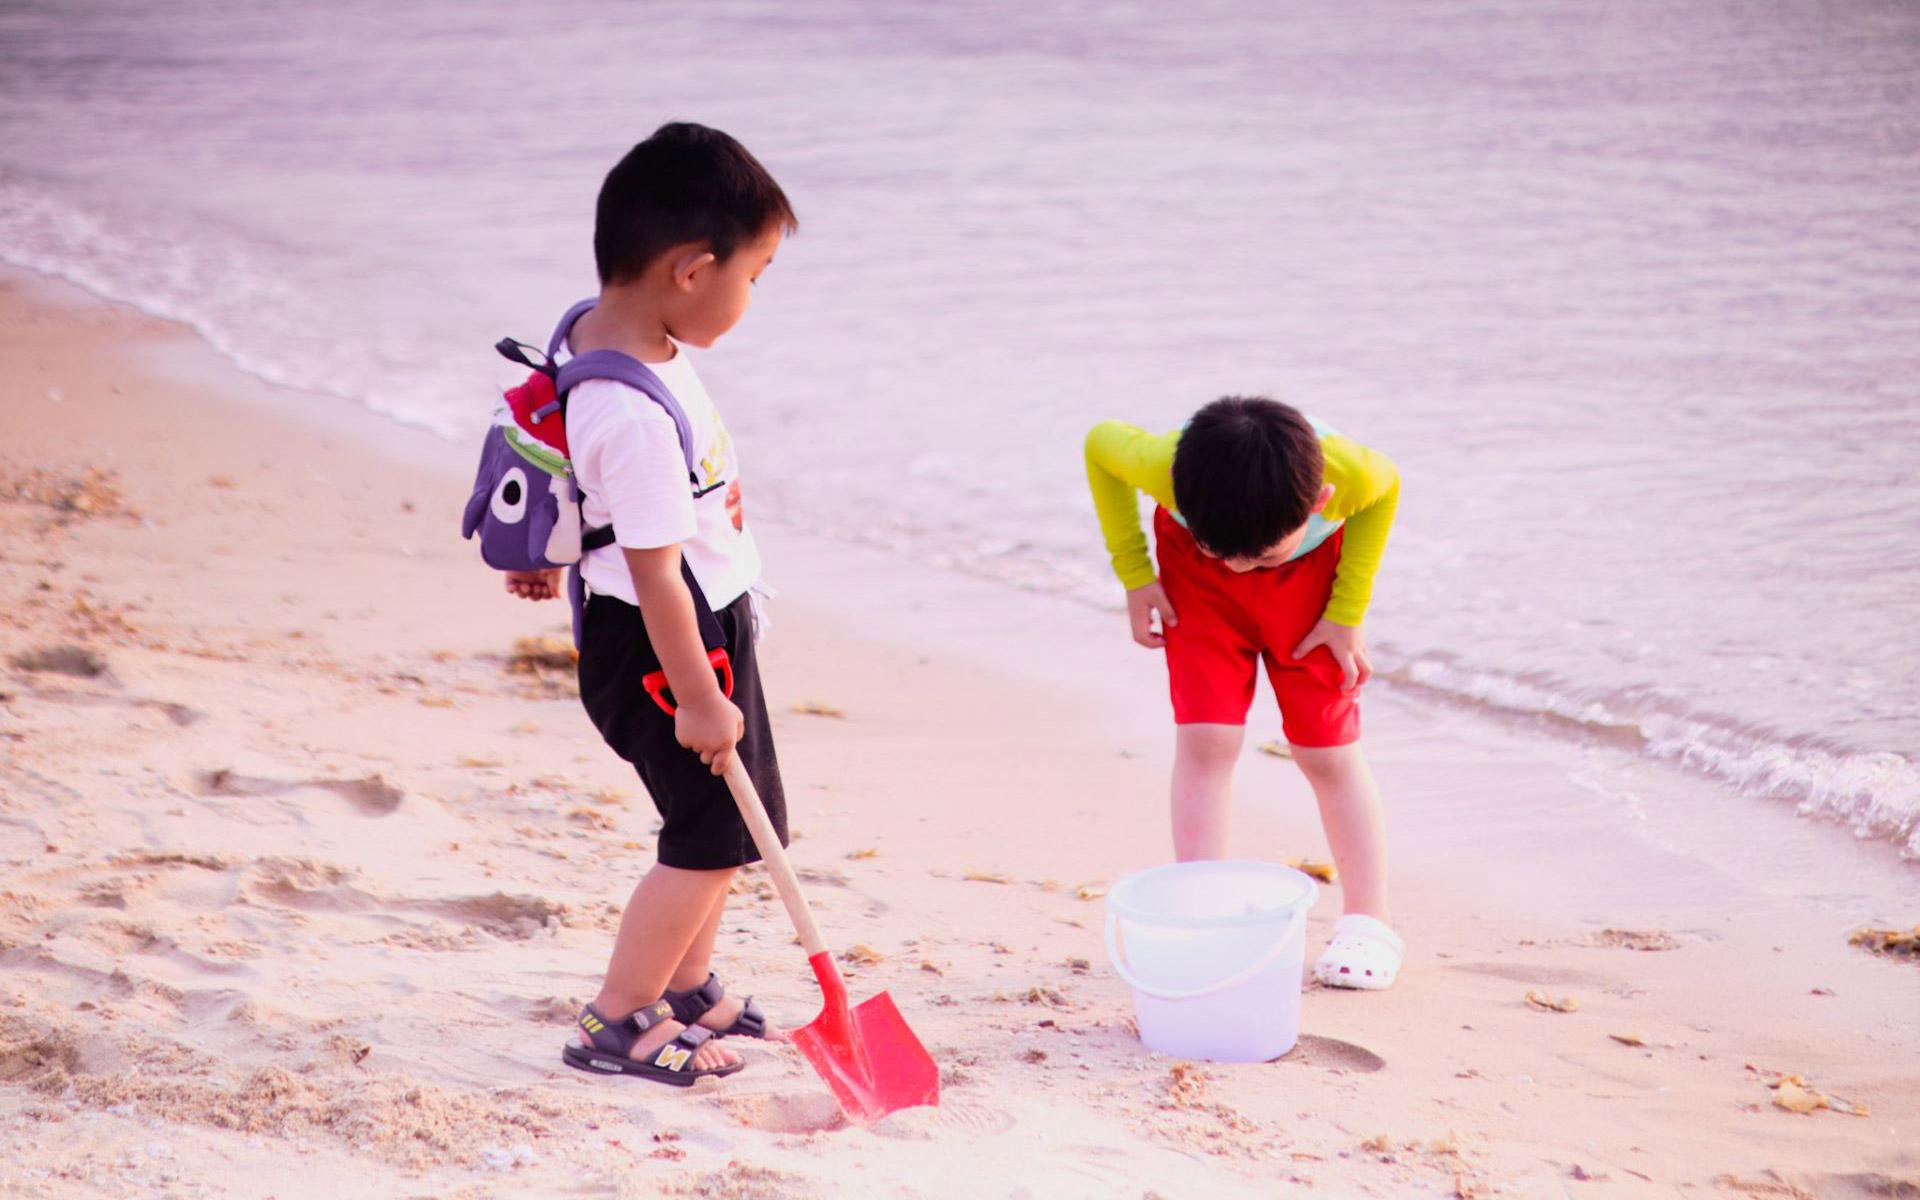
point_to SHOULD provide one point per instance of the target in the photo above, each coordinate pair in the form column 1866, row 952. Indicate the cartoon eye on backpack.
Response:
column 526, row 506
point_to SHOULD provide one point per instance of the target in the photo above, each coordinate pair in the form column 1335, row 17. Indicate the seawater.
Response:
column 1630, row 291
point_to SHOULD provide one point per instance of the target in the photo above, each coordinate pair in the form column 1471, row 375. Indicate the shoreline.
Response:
column 380, row 834
column 1866, row 789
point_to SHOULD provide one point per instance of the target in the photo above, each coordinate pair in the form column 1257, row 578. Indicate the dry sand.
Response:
column 300, row 883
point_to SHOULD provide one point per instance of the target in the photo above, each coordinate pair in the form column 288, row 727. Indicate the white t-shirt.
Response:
column 626, row 458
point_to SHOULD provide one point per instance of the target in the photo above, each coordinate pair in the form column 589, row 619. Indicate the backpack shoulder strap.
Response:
column 622, row 368
column 565, row 326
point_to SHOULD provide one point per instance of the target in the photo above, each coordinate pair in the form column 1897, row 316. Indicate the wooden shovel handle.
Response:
column 773, row 855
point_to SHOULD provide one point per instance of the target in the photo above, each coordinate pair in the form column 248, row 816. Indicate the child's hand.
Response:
column 710, row 727
column 534, row 585
column 1349, row 650
column 1142, row 603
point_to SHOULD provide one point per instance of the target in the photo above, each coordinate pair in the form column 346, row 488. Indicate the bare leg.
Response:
column 1356, row 828
column 698, row 963
column 1203, row 759
column 669, row 910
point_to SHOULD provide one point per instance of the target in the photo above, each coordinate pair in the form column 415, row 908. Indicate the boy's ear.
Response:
column 1326, row 494
column 687, row 262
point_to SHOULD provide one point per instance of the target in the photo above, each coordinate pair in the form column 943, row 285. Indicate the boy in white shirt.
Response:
column 686, row 222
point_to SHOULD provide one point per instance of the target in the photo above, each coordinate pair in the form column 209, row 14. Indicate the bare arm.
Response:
column 706, row 721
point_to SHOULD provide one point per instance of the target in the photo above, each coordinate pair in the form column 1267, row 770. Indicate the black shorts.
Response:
column 703, row 830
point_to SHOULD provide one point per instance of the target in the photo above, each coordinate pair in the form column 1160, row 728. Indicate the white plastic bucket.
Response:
column 1214, row 952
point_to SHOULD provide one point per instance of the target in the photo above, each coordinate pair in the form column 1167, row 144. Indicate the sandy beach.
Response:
column 303, row 874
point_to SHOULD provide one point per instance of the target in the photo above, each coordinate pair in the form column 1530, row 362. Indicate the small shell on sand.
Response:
column 1796, row 1095
column 1325, row 872
column 1546, row 1003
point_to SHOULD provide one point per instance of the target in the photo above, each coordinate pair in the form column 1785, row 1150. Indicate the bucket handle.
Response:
column 1118, row 959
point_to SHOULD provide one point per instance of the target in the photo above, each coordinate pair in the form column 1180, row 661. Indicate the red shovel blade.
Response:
column 867, row 1055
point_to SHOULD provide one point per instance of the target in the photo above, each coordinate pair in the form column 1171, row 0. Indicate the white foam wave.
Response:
column 1876, row 794
column 237, row 302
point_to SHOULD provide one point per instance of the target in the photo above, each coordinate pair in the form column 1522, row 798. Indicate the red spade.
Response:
column 865, row 1052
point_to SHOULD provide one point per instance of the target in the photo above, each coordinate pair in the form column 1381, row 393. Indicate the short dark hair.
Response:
column 686, row 183
column 1246, row 473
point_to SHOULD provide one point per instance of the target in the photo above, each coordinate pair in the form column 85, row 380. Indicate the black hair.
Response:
column 1246, row 473
column 686, row 183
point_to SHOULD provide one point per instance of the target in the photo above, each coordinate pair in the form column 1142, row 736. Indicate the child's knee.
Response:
column 1208, row 747
column 1329, row 764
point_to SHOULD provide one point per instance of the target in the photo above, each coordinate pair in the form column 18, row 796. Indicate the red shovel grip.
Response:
column 656, row 682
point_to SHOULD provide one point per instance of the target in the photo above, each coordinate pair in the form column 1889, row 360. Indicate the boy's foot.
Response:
column 711, row 1007
column 649, row 1043
column 1363, row 953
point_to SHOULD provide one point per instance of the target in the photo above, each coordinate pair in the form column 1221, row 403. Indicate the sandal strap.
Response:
column 689, row 1006
column 677, row 1054
column 617, row 1037
column 751, row 1021
column 647, row 1016
column 607, row 1035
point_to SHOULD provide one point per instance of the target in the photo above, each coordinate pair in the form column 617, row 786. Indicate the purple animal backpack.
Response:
column 526, row 505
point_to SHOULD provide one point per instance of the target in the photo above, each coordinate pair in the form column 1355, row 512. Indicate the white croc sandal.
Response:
column 1363, row 953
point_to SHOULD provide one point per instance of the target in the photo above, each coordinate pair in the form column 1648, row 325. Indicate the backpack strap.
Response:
column 622, row 368
column 565, row 326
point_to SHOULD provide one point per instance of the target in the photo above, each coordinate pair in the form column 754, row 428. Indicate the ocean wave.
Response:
column 239, row 301
column 1876, row 794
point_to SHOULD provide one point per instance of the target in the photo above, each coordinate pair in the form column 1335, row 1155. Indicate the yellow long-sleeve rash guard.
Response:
column 1123, row 459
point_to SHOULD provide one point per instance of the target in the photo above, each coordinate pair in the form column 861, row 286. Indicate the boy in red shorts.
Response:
column 1269, row 530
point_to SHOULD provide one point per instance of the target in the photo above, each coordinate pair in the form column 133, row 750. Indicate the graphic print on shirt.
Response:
column 713, row 474
column 713, row 464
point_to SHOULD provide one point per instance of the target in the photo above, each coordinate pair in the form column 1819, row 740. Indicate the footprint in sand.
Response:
column 501, row 914
column 961, row 1118
column 124, row 938
column 76, row 661
column 131, row 874
column 304, row 883
column 373, row 796
column 1333, row 1054
column 30, row 784
column 546, row 1011
column 1545, row 976
column 784, row 1112
column 179, row 714
column 312, row 885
